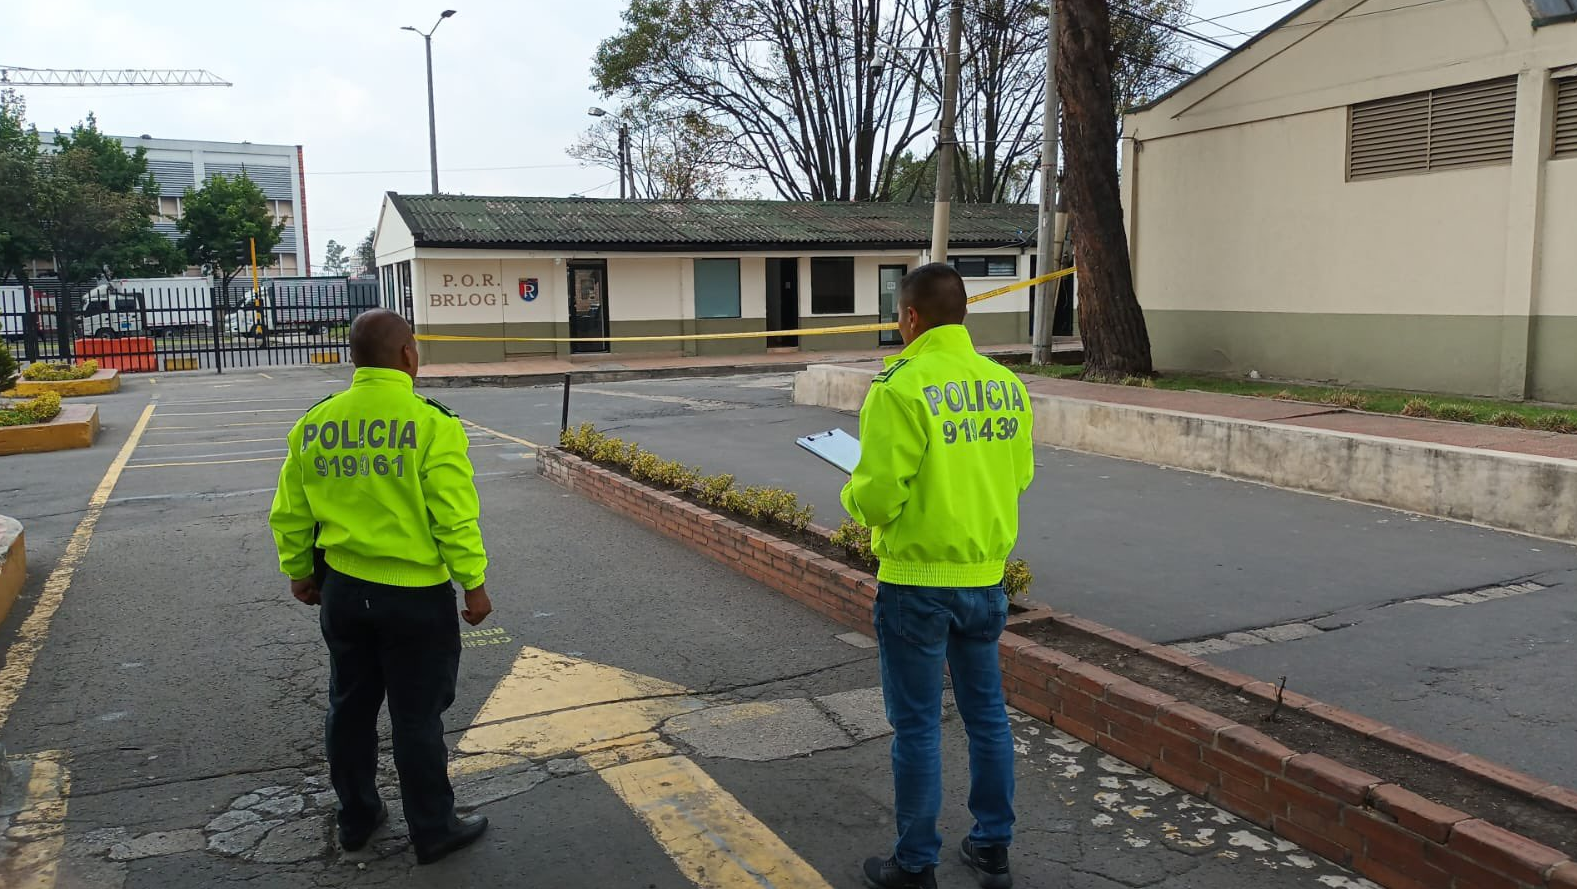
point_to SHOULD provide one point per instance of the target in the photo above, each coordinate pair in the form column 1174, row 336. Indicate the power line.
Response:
column 1174, row 28
column 445, row 170
column 1215, row 19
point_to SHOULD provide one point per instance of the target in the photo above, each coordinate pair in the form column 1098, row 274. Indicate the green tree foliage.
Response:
column 21, row 239
column 94, row 205
column 8, row 368
column 334, row 258
column 365, row 255
column 220, row 221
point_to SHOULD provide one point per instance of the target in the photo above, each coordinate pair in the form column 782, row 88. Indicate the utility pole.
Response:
column 624, row 160
column 947, row 140
column 1048, row 242
column 432, row 116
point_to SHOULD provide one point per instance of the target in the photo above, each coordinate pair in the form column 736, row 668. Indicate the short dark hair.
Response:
column 377, row 337
column 936, row 292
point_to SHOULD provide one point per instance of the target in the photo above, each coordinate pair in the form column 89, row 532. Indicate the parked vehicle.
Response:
column 168, row 304
column 291, row 306
column 112, row 314
column 13, row 313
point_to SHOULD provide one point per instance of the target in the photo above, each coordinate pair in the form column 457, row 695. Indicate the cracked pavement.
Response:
column 184, row 689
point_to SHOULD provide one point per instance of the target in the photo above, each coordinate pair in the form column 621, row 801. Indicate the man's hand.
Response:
column 477, row 605
column 306, row 591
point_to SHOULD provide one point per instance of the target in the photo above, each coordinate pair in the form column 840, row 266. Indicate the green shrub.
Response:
column 39, row 409
column 1563, row 423
column 1456, row 413
column 48, row 372
column 1509, row 420
column 713, row 489
column 855, row 541
column 1017, row 578
column 8, row 369
column 1418, row 407
column 1344, row 399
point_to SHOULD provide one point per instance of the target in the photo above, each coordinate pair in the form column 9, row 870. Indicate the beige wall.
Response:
column 1252, row 250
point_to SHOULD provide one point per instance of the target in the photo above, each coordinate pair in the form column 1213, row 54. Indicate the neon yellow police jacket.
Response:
column 945, row 451
column 383, row 475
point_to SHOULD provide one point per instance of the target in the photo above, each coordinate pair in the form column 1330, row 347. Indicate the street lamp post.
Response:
column 432, row 117
column 626, row 175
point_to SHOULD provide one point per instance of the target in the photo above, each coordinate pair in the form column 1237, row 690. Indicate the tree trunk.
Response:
column 1116, row 343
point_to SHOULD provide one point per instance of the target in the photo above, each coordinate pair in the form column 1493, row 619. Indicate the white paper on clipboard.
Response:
column 835, row 446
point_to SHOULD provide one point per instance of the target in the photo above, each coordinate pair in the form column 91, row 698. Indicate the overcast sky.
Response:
column 341, row 79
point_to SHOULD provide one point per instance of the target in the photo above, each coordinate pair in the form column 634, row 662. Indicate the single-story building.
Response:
column 581, row 267
column 1370, row 192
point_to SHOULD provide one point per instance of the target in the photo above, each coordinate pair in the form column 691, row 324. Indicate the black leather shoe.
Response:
column 462, row 832
column 353, row 842
column 887, row 874
column 989, row 864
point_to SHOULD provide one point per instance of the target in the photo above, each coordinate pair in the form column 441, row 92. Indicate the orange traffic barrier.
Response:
column 128, row 354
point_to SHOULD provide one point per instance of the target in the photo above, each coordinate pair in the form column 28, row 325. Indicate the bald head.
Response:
column 381, row 338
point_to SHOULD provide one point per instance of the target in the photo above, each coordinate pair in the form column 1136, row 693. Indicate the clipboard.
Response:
column 835, row 446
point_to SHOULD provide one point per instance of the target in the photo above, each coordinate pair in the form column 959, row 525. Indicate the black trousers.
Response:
column 401, row 642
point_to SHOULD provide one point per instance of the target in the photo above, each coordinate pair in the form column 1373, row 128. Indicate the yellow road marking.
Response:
column 551, row 704
column 711, row 837
column 503, row 435
column 204, row 462
column 39, row 828
column 34, row 631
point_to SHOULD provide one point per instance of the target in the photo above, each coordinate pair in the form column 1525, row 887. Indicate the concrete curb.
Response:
column 13, row 563
column 1391, row 835
column 106, row 381
column 75, row 427
column 1499, row 489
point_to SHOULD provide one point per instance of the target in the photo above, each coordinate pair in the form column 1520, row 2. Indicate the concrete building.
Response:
column 279, row 170
column 1371, row 192
column 562, row 267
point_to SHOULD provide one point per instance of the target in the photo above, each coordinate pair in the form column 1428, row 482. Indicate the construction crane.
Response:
column 11, row 75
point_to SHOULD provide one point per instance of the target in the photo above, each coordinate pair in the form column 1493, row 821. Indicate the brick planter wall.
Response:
column 1391, row 835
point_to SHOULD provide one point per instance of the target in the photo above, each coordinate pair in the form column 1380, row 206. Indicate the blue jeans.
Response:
column 921, row 629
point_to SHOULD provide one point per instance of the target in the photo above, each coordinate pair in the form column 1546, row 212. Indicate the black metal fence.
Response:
column 181, row 324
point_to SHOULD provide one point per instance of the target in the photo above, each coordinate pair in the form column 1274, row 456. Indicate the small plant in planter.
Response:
column 38, row 409
column 855, row 540
column 50, row 372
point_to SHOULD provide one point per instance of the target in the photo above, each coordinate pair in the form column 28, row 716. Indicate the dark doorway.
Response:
column 888, row 278
column 1062, row 317
column 782, row 300
column 588, row 303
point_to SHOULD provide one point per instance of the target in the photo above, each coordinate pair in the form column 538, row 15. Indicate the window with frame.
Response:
column 1565, row 118
column 985, row 266
column 1442, row 129
column 832, row 285
column 717, row 288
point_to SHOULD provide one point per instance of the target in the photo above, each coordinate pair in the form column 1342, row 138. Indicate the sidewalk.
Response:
column 609, row 367
column 1318, row 416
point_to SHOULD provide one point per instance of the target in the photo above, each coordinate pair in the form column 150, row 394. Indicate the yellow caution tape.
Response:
column 739, row 335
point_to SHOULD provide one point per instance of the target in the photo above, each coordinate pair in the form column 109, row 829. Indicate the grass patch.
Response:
column 1511, row 414
column 38, row 409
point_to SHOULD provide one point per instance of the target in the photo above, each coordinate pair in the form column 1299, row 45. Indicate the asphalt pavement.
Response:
column 1176, row 556
column 162, row 699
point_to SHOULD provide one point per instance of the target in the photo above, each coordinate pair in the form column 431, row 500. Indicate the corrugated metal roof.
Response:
column 541, row 223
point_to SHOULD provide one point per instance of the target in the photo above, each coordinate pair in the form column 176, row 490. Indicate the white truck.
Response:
column 156, row 306
column 13, row 313
column 292, row 305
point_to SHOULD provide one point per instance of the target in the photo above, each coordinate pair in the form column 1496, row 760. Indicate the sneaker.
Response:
column 887, row 874
column 353, row 842
column 462, row 832
column 989, row 864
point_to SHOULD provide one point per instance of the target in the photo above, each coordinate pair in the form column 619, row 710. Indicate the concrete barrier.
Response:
column 13, row 563
column 1514, row 492
column 75, row 427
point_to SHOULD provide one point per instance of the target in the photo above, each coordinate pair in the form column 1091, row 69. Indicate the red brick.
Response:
column 1564, row 876
column 1500, row 850
column 1033, row 708
column 1468, row 874
column 1331, row 777
column 1174, row 759
column 1047, row 661
column 1080, row 625
column 1087, row 678
column 1384, row 839
column 1147, row 740
column 1354, row 722
column 1194, row 722
column 1123, row 750
column 1387, row 874
column 1137, row 699
column 1222, row 675
column 1188, row 779
column 1126, row 640
column 1424, row 817
column 1499, row 774
column 1231, row 765
column 1290, row 700
column 1254, row 747
column 1319, row 841
column 1256, row 807
column 1560, row 796
column 1115, row 715
column 1168, row 654
column 1084, row 731
column 1296, row 795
